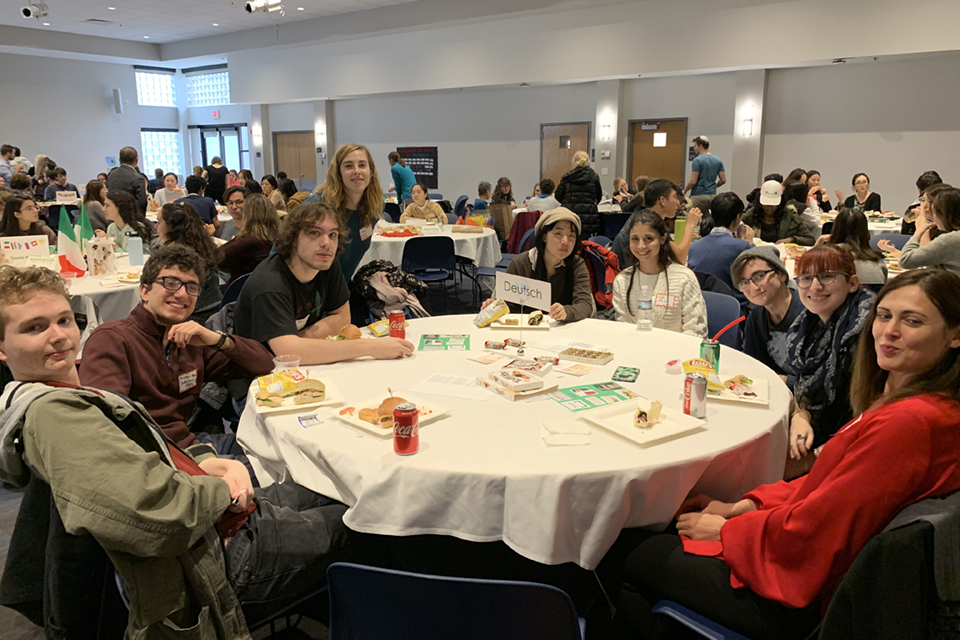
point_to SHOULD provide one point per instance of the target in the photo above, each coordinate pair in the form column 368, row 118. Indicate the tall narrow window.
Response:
column 156, row 89
column 160, row 149
column 208, row 89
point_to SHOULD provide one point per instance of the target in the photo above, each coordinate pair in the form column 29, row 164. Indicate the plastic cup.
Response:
column 68, row 279
column 286, row 362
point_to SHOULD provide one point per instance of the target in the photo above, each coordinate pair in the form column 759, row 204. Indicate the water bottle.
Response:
column 644, row 310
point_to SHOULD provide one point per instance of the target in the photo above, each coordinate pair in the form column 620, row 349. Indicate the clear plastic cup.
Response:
column 68, row 279
column 286, row 362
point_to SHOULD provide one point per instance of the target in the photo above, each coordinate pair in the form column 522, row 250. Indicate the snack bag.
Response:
column 283, row 382
column 101, row 259
column 381, row 328
column 475, row 220
column 698, row 365
column 496, row 310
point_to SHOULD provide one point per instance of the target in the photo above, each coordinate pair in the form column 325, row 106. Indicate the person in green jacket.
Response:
column 775, row 221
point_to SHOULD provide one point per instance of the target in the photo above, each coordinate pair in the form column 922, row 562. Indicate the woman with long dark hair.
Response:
column 942, row 250
column 123, row 212
column 503, row 192
column 555, row 258
column 21, row 217
column 179, row 222
column 850, row 230
column 777, row 555
column 677, row 301
column 271, row 189
column 93, row 203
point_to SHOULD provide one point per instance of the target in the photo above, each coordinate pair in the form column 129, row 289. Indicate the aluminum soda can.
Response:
column 695, row 395
column 406, row 429
column 398, row 323
column 710, row 351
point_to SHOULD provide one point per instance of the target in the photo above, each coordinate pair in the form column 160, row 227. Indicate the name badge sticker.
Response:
column 665, row 300
column 366, row 232
column 188, row 380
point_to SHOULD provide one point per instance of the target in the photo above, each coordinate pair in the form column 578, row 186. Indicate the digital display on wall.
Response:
column 423, row 162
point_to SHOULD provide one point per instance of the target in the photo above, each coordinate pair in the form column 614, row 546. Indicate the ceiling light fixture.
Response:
column 146, row 37
column 111, row 8
column 267, row 6
column 46, row 24
column 216, row 24
column 299, row 8
column 34, row 11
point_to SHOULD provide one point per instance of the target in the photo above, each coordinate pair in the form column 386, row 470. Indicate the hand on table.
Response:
column 886, row 246
column 236, row 477
column 801, row 436
column 100, row 233
column 784, row 240
column 558, row 312
column 390, row 348
column 192, row 333
column 700, row 526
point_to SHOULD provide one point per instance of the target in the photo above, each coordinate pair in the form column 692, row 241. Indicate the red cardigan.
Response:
column 806, row 533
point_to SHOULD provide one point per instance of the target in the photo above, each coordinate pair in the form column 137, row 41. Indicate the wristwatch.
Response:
column 222, row 341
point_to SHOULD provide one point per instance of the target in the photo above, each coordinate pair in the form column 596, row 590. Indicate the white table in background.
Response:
column 484, row 474
column 115, row 301
column 482, row 249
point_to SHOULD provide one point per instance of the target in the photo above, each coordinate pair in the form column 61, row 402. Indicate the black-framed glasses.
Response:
column 173, row 284
column 235, row 203
column 756, row 279
column 826, row 278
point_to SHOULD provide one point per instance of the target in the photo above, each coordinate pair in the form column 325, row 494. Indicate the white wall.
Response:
column 480, row 134
column 64, row 109
column 292, row 116
column 892, row 120
column 706, row 100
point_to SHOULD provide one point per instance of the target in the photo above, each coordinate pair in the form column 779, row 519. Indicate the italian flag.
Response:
column 68, row 248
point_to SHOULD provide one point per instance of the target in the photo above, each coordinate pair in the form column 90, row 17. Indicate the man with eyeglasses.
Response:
column 759, row 275
column 234, row 197
column 159, row 359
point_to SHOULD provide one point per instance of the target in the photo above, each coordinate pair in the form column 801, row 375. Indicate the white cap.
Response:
column 705, row 139
column 771, row 192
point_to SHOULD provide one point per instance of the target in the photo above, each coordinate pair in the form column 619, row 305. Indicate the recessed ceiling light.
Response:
column 146, row 37
column 299, row 8
column 216, row 24
column 111, row 8
column 46, row 24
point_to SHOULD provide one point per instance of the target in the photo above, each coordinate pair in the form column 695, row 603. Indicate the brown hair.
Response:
column 304, row 218
column 94, row 192
column 869, row 380
column 260, row 218
column 946, row 206
column 393, row 156
column 18, row 285
column 370, row 206
column 172, row 255
column 11, row 223
column 185, row 227
column 850, row 229
column 826, row 258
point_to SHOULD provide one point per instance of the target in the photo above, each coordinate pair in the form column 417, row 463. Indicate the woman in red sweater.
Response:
column 767, row 565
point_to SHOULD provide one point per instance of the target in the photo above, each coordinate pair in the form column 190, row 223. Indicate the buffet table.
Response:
column 483, row 249
column 484, row 473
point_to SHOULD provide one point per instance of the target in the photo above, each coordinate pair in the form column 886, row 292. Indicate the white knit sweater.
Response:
column 677, row 301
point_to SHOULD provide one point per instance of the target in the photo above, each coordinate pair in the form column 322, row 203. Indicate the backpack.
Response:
column 603, row 296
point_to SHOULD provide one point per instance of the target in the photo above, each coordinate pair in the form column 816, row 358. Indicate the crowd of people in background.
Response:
column 834, row 330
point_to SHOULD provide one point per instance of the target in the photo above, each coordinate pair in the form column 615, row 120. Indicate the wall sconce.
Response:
column 605, row 129
column 749, row 111
column 257, row 133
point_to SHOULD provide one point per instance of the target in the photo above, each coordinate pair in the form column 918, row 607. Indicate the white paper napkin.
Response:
column 564, row 433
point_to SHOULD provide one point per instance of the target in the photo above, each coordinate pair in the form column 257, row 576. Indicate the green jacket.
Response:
column 111, row 476
column 791, row 225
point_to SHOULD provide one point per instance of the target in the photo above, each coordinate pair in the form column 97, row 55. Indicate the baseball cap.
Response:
column 704, row 138
column 771, row 192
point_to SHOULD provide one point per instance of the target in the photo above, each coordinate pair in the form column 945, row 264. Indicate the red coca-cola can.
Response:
column 406, row 429
column 695, row 395
column 398, row 325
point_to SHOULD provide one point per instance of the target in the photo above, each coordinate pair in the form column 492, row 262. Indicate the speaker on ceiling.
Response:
column 117, row 101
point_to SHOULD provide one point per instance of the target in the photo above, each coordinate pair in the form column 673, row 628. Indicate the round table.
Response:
column 484, row 474
column 892, row 225
column 116, row 299
column 483, row 249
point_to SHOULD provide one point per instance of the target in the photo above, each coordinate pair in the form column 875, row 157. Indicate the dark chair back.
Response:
column 603, row 241
column 233, row 290
column 428, row 253
column 526, row 242
column 390, row 218
column 394, row 210
column 436, row 196
column 368, row 602
column 721, row 311
column 896, row 239
column 615, row 222
column 451, row 218
column 460, row 206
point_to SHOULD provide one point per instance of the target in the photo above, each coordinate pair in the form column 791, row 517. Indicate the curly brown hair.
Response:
column 303, row 218
column 370, row 206
column 172, row 255
column 185, row 227
column 19, row 285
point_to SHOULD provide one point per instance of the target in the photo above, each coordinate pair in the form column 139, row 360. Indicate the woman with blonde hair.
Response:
column 352, row 189
column 258, row 231
column 580, row 191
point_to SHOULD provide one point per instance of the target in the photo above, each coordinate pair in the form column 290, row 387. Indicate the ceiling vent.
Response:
column 98, row 21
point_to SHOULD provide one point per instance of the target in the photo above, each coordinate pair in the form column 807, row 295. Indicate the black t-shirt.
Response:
column 769, row 232
column 216, row 181
column 273, row 303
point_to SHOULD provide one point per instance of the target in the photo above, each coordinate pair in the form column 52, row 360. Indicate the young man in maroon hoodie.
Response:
column 157, row 358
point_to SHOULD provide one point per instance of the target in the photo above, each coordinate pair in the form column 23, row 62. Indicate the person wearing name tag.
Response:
column 677, row 301
column 159, row 358
column 555, row 258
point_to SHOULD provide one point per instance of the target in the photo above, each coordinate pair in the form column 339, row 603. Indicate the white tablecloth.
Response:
column 484, row 474
column 893, row 225
column 115, row 301
column 481, row 248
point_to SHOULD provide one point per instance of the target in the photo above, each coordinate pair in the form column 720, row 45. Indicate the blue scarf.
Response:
column 820, row 352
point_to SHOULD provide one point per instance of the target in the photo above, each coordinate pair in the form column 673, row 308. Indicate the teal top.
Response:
column 353, row 250
column 403, row 181
column 121, row 237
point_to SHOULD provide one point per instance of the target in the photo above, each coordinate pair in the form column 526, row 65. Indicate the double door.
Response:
column 297, row 156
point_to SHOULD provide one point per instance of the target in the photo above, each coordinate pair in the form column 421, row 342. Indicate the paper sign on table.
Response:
column 591, row 396
column 451, row 387
column 19, row 249
column 564, row 433
column 488, row 358
column 444, row 342
column 523, row 291
column 576, row 368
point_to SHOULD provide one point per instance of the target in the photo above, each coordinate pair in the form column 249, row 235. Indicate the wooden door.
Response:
column 558, row 143
column 668, row 161
column 296, row 155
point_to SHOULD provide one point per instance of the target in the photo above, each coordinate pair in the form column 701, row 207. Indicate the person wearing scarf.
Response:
column 421, row 208
column 821, row 345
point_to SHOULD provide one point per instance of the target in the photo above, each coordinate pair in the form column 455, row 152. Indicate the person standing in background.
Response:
column 126, row 177
column 216, row 177
column 403, row 177
column 580, row 191
column 157, row 182
column 707, row 173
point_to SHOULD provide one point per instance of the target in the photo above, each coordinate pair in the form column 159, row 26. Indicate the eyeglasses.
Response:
column 173, row 284
column 756, row 279
column 235, row 203
column 826, row 278
column 861, row 183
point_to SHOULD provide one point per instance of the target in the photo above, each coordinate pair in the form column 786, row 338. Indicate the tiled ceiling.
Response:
column 163, row 21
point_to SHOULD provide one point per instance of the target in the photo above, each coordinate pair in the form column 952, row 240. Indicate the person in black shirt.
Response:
column 298, row 297
column 216, row 177
column 206, row 208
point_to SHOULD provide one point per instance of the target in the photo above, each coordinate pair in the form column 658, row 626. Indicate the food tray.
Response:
column 432, row 410
column 760, row 387
column 333, row 396
column 618, row 420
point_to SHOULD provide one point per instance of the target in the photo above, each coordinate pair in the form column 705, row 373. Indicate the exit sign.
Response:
column 216, row 114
